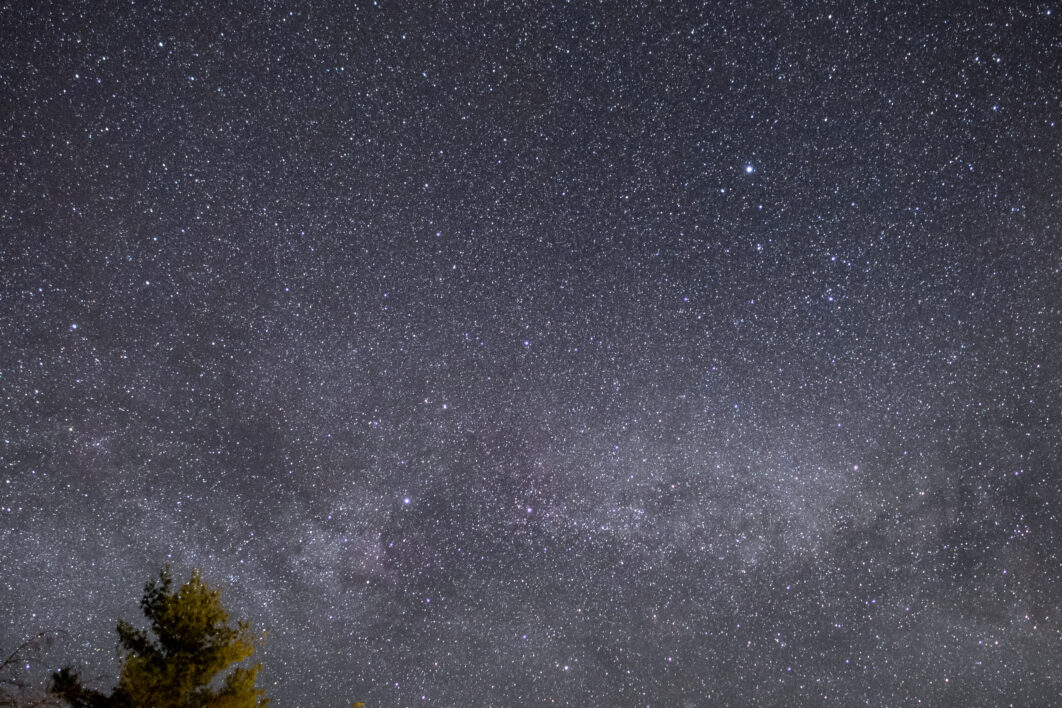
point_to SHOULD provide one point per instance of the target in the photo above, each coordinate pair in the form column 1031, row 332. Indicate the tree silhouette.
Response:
column 15, row 691
column 183, row 665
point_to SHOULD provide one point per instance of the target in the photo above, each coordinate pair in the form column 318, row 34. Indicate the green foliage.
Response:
column 183, row 664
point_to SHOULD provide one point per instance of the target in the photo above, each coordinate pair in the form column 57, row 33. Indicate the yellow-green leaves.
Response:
column 193, row 660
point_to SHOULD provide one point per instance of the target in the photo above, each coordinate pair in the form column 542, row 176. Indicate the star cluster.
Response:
column 519, row 353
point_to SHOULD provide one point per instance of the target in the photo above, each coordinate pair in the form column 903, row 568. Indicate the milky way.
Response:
column 525, row 353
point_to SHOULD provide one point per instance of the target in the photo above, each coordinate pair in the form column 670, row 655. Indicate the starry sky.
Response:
column 542, row 353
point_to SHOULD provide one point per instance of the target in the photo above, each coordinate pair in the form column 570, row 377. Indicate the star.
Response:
column 264, row 289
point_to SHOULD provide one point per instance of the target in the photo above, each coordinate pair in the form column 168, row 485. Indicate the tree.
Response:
column 183, row 665
column 15, row 690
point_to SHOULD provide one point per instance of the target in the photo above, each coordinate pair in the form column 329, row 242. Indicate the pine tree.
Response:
column 183, row 665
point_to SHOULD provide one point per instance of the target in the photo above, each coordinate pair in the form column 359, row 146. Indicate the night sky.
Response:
column 523, row 353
